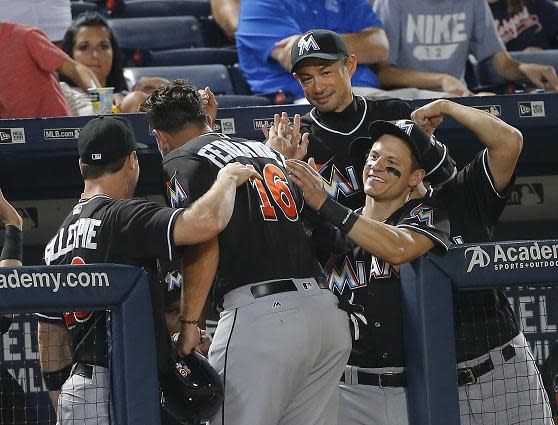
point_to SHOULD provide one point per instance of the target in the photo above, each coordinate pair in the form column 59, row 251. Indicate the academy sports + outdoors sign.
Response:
column 532, row 255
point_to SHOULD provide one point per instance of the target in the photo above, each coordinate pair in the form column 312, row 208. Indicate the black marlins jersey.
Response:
column 265, row 238
column 369, row 289
column 103, row 230
column 330, row 136
column 483, row 318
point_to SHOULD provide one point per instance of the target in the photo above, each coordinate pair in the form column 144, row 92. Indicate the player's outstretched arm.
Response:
column 12, row 251
column 392, row 244
column 55, row 356
column 211, row 213
column 503, row 141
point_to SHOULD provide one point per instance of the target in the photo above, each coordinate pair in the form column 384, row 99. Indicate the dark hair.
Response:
column 92, row 171
column 171, row 107
column 515, row 6
column 95, row 19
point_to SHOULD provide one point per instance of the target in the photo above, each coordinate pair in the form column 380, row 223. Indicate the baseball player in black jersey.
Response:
column 366, row 248
column 494, row 358
column 280, row 357
column 338, row 116
column 12, row 396
column 107, row 227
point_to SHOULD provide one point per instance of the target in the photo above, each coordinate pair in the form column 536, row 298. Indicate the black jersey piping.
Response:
column 487, row 173
column 340, row 132
column 426, row 233
column 169, row 236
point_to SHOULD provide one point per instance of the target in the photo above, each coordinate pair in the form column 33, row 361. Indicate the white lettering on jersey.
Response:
column 221, row 152
column 379, row 269
column 436, row 36
column 79, row 235
column 347, row 276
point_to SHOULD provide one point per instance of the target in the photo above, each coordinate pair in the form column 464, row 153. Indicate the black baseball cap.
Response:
column 322, row 44
column 431, row 154
column 105, row 139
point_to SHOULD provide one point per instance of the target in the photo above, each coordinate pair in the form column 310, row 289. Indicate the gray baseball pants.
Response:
column 281, row 356
column 85, row 401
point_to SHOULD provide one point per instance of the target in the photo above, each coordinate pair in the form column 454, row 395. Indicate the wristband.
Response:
column 342, row 217
column 55, row 380
column 188, row 322
column 13, row 244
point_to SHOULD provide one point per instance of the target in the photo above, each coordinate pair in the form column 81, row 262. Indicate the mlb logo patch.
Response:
column 96, row 156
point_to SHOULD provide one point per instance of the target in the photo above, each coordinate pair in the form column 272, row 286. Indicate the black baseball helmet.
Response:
column 192, row 391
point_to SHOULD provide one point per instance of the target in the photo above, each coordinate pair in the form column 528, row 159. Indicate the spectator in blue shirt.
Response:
column 267, row 30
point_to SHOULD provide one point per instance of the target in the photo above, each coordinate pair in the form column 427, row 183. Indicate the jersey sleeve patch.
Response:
column 176, row 193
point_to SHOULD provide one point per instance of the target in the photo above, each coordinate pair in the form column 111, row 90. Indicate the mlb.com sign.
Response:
column 532, row 256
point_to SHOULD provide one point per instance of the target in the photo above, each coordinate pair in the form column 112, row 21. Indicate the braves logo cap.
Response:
column 105, row 139
column 322, row 44
column 432, row 155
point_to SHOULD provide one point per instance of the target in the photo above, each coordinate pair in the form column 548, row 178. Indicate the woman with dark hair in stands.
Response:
column 526, row 24
column 91, row 42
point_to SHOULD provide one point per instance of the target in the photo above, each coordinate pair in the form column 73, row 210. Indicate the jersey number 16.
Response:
column 276, row 182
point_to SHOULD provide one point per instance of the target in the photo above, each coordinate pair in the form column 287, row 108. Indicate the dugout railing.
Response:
column 122, row 289
column 428, row 309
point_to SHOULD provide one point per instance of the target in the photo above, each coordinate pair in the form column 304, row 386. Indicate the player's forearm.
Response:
column 500, row 138
column 209, row 215
column 390, row 243
column 199, row 267
column 369, row 45
column 392, row 76
column 504, row 142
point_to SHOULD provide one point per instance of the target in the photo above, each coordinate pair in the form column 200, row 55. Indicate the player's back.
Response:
column 265, row 238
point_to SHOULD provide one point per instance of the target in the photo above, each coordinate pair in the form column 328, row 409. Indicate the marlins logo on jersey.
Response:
column 423, row 214
column 175, row 192
column 337, row 182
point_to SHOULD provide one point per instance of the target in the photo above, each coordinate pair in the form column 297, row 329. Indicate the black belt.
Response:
column 387, row 379
column 284, row 285
column 470, row 375
column 82, row 369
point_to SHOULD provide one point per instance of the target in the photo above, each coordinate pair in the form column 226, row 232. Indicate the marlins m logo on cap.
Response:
column 405, row 125
column 307, row 42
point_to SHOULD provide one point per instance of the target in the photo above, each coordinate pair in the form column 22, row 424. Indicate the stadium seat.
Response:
column 239, row 82
column 79, row 7
column 136, row 35
column 193, row 56
column 233, row 101
column 214, row 76
column 158, row 33
column 146, row 8
column 213, row 34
